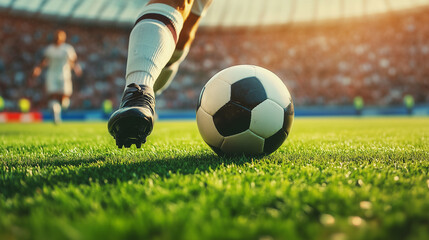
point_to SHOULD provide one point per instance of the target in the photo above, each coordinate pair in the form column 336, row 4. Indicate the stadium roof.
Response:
column 222, row 12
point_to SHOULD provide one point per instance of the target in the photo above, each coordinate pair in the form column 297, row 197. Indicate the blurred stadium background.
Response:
column 328, row 52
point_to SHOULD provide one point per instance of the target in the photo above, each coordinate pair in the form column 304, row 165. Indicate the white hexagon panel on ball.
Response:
column 215, row 94
column 267, row 118
column 236, row 73
column 243, row 143
column 207, row 129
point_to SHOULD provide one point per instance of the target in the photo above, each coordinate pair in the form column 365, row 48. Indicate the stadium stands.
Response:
column 225, row 13
column 380, row 58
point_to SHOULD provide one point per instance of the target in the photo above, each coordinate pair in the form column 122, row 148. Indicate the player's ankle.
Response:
column 140, row 78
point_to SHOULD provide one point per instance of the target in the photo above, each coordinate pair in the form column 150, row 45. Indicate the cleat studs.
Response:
column 128, row 131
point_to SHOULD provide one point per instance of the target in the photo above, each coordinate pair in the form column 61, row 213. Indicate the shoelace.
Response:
column 138, row 96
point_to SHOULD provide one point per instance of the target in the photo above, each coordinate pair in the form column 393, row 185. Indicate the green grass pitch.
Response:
column 334, row 178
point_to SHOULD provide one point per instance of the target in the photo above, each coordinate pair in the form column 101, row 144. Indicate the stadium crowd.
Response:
column 381, row 58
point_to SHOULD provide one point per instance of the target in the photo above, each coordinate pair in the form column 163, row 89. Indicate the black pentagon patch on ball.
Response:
column 201, row 96
column 274, row 142
column 232, row 119
column 288, row 117
column 248, row 92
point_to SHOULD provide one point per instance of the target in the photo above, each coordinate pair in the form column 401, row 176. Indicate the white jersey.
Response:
column 58, row 76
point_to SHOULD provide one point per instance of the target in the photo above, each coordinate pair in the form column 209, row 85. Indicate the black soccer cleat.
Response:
column 133, row 121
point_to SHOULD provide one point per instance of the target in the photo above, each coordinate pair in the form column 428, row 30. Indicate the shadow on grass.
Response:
column 16, row 178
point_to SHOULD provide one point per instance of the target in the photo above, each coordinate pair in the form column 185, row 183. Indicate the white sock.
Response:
column 152, row 43
column 65, row 103
column 56, row 109
column 169, row 71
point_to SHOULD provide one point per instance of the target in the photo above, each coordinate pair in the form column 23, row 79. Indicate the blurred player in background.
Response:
column 60, row 58
column 159, row 42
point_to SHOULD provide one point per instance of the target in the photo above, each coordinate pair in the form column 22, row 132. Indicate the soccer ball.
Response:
column 245, row 110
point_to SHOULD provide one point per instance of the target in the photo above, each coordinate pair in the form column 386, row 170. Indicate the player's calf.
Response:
column 169, row 71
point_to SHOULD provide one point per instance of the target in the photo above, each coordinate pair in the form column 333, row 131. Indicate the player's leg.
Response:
column 152, row 43
column 65, row 102
column 187, row 36
column 54, row 89
column 66, row 93
column 55, row 105
column 60, row 89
